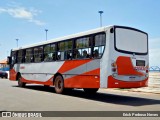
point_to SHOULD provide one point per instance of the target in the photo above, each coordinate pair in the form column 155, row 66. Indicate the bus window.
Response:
column 53, row 52
column 14, row 57
column 76, row 53
column 101, row 49
column 68, row 50
column 61, row 48
column 23, row 56
column 38, row 54
column 82, row 42
column 99, row 43
column 47, row 53
column 100, row 39
column 83, row 48
column 29, row 56
column 96, row 52
column 60, row 55
column 86, row 53
column 19, row 58
column 68, row 54
column 64, row 50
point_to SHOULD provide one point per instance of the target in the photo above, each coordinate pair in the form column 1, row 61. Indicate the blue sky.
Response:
column 27, row 19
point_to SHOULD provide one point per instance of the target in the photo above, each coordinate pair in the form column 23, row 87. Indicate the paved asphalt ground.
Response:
column 39, row 98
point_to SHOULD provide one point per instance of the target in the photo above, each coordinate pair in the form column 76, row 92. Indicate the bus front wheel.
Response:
column 20, row 83
column 59, row 84
column 90, row 90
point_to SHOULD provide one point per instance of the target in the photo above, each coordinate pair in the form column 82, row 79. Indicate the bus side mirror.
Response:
column 9, row 60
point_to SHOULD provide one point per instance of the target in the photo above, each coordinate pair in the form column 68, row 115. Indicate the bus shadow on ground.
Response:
column 101, row 97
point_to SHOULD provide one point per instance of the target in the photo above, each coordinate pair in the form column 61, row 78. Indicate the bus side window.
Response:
column 20, row 56
column 54, row 56
column 99, row 43
column 40, row 51
column 68, row 54
column 38, row 54
column 64, row 50
column 47, row 53
column 96, row 52
column 35, row 55
column 53, row 52
column 23, row 56
column 31, row 59
column 60, row 55
column 101, row 50
column 76, row 53
column 83, row 47
column 68, row 49
column 29, row 56
column 86, row 53
column 14, row 57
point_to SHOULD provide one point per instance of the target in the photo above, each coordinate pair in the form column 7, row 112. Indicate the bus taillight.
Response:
column 113, row 64
column 147, row 71
column 114, row 69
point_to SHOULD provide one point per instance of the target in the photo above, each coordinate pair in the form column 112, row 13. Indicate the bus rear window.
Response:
column 128, row 40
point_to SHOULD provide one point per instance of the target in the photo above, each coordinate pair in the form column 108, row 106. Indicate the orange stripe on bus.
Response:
column 125, row 67
column 86, row 80
column 12, row 74
column 71, row 64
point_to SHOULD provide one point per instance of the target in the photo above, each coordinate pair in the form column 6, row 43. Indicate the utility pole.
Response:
column 100, row 12
column 46, row 33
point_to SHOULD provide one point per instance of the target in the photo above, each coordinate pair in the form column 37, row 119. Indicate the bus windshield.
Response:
column 131, row 41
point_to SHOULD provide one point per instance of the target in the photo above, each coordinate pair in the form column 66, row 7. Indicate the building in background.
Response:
column 3, row 65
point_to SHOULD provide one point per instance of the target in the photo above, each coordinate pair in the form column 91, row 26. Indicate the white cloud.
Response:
column 23, row 13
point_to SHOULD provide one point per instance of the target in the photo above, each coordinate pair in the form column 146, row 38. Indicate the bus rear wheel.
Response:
column 20, row 83
column 90, row 90
column 59, row 84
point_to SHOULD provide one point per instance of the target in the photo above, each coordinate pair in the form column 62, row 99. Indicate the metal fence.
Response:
column 154, row 68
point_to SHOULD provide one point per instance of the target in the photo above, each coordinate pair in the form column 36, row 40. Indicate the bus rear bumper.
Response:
column 114, row 83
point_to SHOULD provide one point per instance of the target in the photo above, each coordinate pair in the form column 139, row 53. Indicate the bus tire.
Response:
column 90, row 90
column 20, row 83
column 59, row 84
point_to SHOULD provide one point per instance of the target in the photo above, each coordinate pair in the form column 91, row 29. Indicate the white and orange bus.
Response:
column 106, row 57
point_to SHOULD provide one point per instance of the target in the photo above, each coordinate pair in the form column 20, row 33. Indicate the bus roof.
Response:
column 101, row 29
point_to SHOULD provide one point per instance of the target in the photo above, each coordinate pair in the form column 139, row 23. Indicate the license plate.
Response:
column 140, row 63
column 132, row 78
